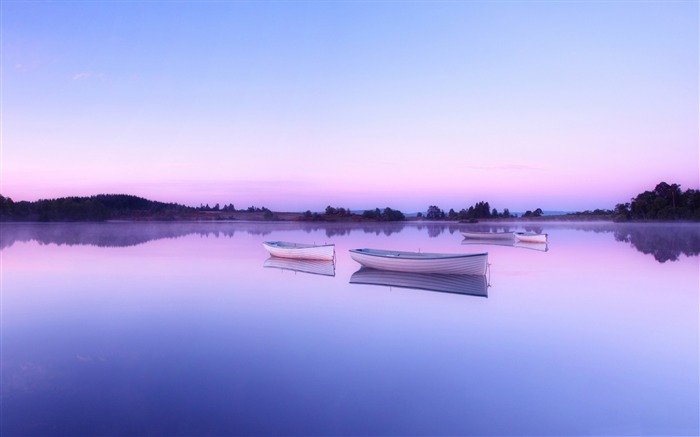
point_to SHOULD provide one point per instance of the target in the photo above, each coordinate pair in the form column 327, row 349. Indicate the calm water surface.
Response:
column 180, row 329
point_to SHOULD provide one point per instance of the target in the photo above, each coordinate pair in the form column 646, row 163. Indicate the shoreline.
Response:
column 298, row 218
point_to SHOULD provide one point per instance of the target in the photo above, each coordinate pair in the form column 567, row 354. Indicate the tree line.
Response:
column 94, row 208
column 341, row 213
column 479, row 210
column 230, row 208
column 665, row 202
column 109, row 207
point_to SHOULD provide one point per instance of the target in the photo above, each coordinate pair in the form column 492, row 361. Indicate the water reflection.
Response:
column 434, row 230
column 193, row 336
column 503, row 227
column 473, row 285
column 386, row 229
column 665, row 242
column 312, row 266
column 127, row 234
column 110, row 234
column 507, row 243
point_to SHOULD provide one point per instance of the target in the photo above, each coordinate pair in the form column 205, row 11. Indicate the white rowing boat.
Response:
column 530, row 237
column 489, row 242
column 487, row 235
column 285, row 249
column 313, row 266
column 474, row 285
column 418, row 262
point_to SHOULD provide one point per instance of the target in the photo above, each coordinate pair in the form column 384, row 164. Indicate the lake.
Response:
column 188, row 329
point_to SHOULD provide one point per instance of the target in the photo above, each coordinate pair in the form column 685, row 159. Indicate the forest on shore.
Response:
column 666, row 202
column 104, row 207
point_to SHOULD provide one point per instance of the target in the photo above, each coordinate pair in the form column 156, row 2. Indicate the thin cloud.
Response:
column 25, row 67
column 504, row 167
column 517, row 167
column 81, row 75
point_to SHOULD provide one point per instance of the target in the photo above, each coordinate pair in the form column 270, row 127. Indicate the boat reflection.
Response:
column 473, row 285
column 312, row 266
column 519, row 244
column 664, row 241
column 532, row 246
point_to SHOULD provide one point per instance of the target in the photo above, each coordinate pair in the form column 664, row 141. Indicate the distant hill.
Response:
column 94, row 208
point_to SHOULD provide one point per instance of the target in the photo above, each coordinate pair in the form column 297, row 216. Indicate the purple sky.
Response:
column 298, row 105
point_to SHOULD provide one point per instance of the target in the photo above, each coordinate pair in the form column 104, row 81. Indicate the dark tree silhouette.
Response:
column 665, row 202
column 435, row 213
column 94, row 208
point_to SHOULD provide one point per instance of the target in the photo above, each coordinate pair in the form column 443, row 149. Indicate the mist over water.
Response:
column 188, row 329
column 666, row 242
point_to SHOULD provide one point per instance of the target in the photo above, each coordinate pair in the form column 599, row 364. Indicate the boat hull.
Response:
column 283, row 249
column 487, row 235
column 531, row 238
column 457, row 264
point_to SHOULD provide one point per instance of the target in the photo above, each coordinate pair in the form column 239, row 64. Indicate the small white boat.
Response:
column 313, row 266
column 285, row 249
column 418, row 262
column 487, row 235
column 530, row 237
column 474, row 285
column 488, row 242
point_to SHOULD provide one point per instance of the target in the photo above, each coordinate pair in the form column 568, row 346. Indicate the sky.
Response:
column 297, row 105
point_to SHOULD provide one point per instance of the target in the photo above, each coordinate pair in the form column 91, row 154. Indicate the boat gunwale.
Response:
column 487, row 232
column 276, row 244
column 479, row 235
column 419, row 256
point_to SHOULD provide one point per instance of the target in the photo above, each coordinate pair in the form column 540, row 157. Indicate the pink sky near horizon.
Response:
column 299, row 106
column 579, row 193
